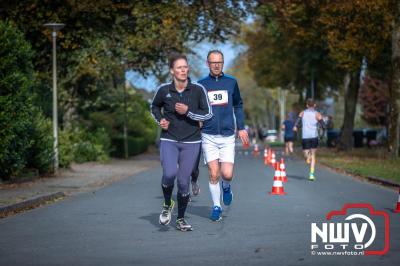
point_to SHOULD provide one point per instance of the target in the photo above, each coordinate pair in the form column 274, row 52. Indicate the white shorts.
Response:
column 217, row 147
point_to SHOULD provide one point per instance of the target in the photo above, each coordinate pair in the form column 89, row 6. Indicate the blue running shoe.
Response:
column 227, row 195
column 216, row 214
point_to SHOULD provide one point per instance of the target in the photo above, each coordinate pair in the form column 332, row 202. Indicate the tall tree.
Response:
column 99, row 36
column 349, row 31
column 394, row 117
column 286, row 48
column 259, row 102
column 354, row 30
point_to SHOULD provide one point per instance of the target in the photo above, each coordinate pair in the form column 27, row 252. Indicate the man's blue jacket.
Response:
column 227, row 105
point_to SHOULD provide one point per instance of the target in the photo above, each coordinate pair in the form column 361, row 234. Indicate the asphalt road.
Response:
column 118, row 225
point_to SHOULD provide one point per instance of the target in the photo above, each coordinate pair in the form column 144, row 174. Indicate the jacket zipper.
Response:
column 180, row 97
column 219, row 114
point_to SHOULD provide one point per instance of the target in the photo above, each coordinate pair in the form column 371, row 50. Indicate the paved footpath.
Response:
column 118, row 225
column 79, row 178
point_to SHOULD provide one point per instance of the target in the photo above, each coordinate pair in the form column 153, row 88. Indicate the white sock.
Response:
column 225, row 183
column 215, row 194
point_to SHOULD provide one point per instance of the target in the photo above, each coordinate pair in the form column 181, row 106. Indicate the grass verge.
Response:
column 362, row 162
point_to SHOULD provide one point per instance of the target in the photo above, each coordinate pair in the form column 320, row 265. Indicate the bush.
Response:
column 92, row 147
column 135, row 146
column 14, row 142
column 66, row 142
column 103, row 120
column 24, row 138
column 80, row 145
column 141, row 128
column 150, row 131
column 40, row 154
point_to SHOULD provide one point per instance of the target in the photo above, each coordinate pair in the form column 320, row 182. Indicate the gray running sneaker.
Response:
column 165, row 216
column 182, row 225
column 195, row 188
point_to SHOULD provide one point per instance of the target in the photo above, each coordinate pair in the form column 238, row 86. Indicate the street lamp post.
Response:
column 55, row 27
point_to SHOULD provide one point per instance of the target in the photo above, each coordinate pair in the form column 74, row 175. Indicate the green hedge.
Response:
column 276, row 144
column 136, row 145
column 80, row 145
column 25, row 135
column 40, row 155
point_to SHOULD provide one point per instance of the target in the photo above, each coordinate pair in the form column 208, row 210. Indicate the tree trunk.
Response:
column 394, row 118
column 267, row 106
column 301, row 97
column 254, row 125
column 117, row 81
column 68, row 105
column 282, row 111
column 272, row 116
column 350, row 103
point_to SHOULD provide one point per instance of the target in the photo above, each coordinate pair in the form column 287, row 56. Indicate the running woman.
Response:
column 177, row 107
column 309, row 120
column 218, row 133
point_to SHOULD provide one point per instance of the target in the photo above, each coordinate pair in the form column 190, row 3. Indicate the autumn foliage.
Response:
column 374, row 99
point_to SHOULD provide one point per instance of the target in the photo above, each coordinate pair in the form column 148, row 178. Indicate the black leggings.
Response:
column 178, row 160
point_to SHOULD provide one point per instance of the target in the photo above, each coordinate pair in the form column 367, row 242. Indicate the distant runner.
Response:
column 287, row 127
column 309, row 120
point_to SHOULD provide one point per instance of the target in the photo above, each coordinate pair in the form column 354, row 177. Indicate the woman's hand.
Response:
column 164, row 123
column 181, row 108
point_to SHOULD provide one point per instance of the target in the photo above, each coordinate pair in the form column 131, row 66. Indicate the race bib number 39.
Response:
column 219, row 97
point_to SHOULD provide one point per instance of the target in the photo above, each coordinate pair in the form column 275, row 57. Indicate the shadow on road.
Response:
column 201, row 211
column 297, row 177
column 153, row 219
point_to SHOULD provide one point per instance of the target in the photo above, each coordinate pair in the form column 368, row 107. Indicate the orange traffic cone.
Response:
column 273, row 158
column 256, row 150
column 282, row 167
column 277, row 188
column 398, row 204
column 277, row 175
column 269, row 156
column 246, row 145
column 265, row 156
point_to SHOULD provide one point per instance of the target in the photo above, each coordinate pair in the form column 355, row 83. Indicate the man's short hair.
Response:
column 310, row 102
column 215, row 52
column 174, row 57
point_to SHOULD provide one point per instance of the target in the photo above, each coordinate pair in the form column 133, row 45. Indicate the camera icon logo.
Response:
column 356, row 234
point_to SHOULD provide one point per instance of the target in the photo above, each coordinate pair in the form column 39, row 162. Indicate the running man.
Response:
column 309, row 120
column 195, row 175
column 218, row 133
column 177, row 107
column 287, row 127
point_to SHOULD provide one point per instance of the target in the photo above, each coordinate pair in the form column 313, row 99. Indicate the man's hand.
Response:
column 181, row 108
column 244, row 137
column 295, row 129
column 164, row 123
